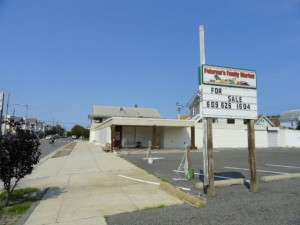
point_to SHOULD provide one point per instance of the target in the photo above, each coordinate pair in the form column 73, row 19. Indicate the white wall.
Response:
column 175, row 137
column 224, row 136
column 290, row 138
column 135, row 134
column 198, row 135
column 100, row 137
column 231, row 136
column 92, row 136
column 261, row 139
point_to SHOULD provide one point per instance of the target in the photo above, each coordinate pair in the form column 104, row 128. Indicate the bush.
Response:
column 18, row 154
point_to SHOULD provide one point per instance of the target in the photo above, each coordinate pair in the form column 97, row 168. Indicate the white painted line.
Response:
column 154, row 158
column 183, row 188
column 217, row 176
column 144, row 181
column 179, row 179
column 264, row 171
column 150, row 182
column 293, row 167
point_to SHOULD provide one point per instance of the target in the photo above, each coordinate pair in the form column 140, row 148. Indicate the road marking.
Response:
column 217, row 176
column 183, row 188
column 176, row 179
column 150, row 182
column 264, row 171
column 296, row 167
column 154, row 158
column 144, row 181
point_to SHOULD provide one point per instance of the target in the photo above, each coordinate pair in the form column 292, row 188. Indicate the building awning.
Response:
column 143, row 122
column 290, row 115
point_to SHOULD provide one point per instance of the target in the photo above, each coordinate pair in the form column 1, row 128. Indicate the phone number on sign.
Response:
column 227, row 105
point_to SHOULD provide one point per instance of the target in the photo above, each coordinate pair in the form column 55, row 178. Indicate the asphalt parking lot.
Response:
column 229, row 164
column 276, row 202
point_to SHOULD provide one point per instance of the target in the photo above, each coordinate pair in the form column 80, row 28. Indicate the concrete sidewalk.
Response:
column 89, row 184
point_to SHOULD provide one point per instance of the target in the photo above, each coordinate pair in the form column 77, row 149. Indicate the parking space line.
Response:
column 217, row 176
column 263, row 171
column 144, row 181
column 293, row 167
column 154, row 158
column 150, row 182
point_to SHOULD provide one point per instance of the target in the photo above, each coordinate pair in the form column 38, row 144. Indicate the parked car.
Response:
column 48, row 137
column 74, row 136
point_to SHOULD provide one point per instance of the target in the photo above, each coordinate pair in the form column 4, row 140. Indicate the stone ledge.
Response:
column 186, row 197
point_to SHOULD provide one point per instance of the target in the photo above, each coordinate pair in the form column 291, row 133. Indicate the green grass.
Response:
column 16, row 208
column 19, row 202
column 155, row 207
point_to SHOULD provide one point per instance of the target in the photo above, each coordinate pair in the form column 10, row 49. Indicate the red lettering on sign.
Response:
column 247, row 75
column 211, row 71
column 233, row 73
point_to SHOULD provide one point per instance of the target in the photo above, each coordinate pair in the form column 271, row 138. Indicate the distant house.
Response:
column 264, row 121
column 184, row 117
column 31, row 124
column 290, row 118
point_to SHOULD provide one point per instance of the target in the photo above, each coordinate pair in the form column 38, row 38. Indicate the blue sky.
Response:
column 63, row 56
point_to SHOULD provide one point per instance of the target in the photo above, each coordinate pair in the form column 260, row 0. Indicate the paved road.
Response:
column 277, row 202
column 47, row 148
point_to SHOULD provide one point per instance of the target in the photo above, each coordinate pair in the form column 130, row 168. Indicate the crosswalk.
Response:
column 59, row 141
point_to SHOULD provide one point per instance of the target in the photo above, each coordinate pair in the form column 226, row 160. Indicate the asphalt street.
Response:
column 276, row 202
column 47, row 148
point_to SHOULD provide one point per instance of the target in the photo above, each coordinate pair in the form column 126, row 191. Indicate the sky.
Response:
column 61, row 57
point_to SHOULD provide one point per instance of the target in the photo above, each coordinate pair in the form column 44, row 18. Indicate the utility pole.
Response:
column 7, row 104
column 1, row 110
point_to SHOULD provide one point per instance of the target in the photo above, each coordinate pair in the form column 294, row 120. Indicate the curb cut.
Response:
column 280, row 177
column 223, row 183
column 186, row 197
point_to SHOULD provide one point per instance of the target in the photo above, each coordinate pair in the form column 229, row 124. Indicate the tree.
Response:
column 77, row 130
column 60, row 130
column 80, row 131
column 18, row 154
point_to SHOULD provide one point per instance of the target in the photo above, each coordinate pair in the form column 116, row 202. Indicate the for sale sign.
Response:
column 228, row 92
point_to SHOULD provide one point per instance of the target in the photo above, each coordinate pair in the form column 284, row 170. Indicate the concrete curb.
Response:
column 280, row 177
column 186, row 197
column 223, row 183
column 42, row 160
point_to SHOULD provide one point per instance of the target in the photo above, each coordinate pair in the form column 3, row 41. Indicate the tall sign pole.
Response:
column 1, row 110
column 225, row 93
column 204, row 121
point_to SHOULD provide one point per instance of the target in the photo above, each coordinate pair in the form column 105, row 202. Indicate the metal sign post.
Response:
column 225, row 93
column 204, row 121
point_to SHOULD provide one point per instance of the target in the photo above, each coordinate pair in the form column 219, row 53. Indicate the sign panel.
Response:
column 231, row 77
column 228, row 93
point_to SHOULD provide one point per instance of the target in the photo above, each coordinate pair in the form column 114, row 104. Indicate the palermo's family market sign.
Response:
column 228, row 92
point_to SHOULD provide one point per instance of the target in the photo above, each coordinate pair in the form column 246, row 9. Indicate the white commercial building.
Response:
column 134, row 127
